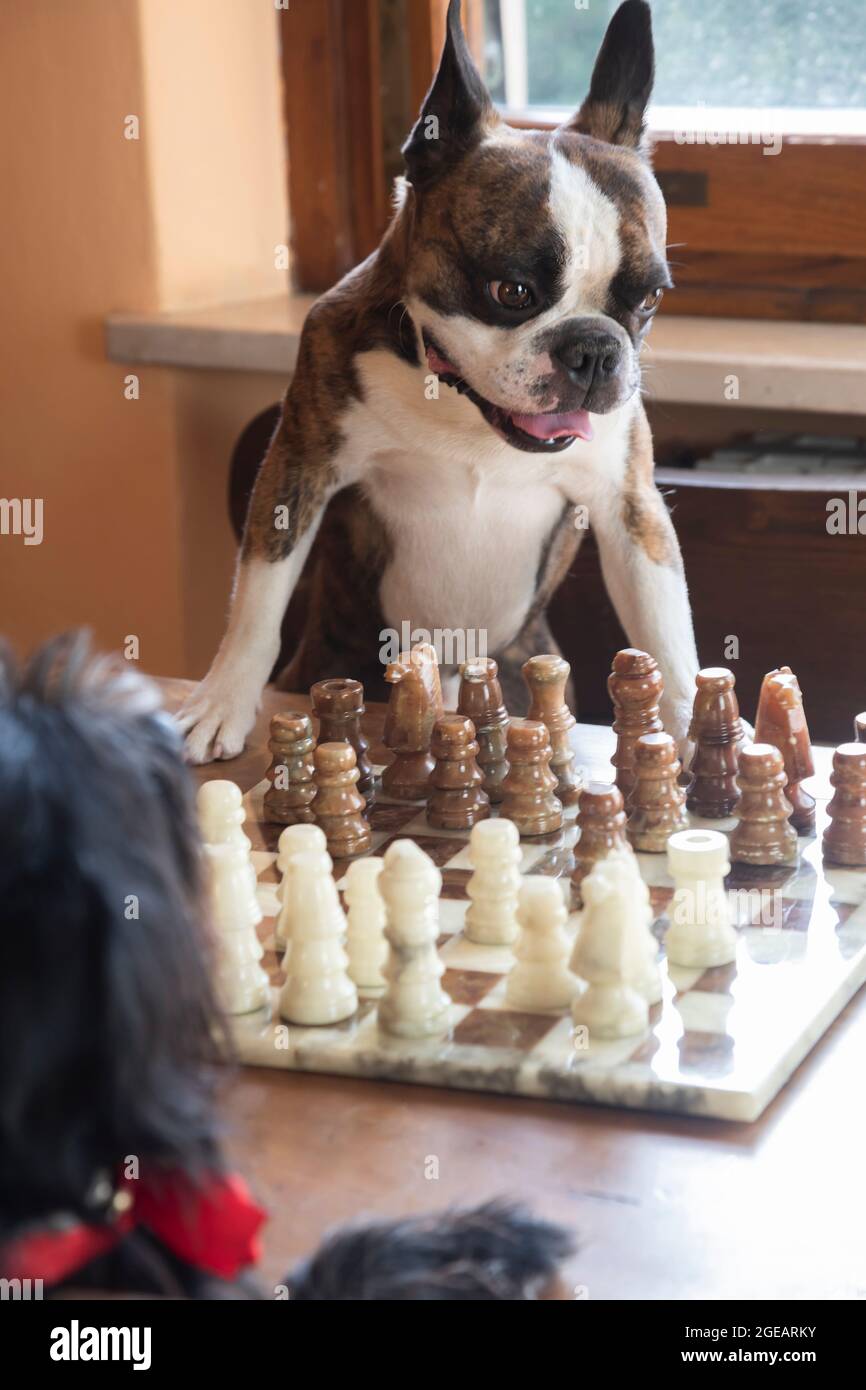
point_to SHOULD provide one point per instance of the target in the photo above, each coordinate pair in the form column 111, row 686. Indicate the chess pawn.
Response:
column 528, row 790
column 860, row 727
column 763, row 834
column 287, row 800
column 221, row 816
column 781, row 720
column 845, row 836
column 339, row 706
column 414, row 1004
column 647, row 978
column 601, row 822
column 338, row 805
column 716, row 732
column 480, row 699
column 295, row 839
column 456, row 800
column 494, row 851
column 414, row 707
column 242, row 985
column 540, row 979
column 610, row 955
column 635, row 688
column 366, row 946
column 317, row 990
column 657, row 800
column 546, row 678
column 700, row 935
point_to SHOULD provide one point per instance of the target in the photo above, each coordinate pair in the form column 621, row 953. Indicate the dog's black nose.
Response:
column 592, row 357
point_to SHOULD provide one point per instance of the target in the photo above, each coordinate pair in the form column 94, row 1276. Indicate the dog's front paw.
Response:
column 676, row 716
column 217, row 718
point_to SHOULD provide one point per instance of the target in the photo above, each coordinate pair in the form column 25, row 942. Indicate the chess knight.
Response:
column 461, row 398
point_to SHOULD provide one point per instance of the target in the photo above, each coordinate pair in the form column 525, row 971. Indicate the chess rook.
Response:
column 764, row 834
column 295, row 839
column 339, row 706
column 242, row 985
column 456, row 799
column 414, row 1004
column 601, row 822
column 540, row 979
column 366, row 946
column 494, row 851
column 658, row 802
column 635, row 688
column 700, row 934
column 546, row 679
column 529, row 800
column 781, row 721
column 716, row 732
column 317, row 989
column 413, row 708
column 480, row 699
column 338, row 805
column 845, row 836
column 289, row 796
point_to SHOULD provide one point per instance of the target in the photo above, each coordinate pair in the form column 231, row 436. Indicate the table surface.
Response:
column 662, row 1207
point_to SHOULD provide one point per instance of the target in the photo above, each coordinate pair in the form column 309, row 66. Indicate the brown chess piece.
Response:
column 546, row 678
column 290, row 774
column 339, row 705
column 860, row 727
column 339, row 806
column 635, row 687
column 414, row 707
column 601, row 822
column 528, row 789
column 658, row 802
column 716, row 732
column 480, row 699
column 764, row 834
column 781, row 720
column 457, row 799
column 845, row 836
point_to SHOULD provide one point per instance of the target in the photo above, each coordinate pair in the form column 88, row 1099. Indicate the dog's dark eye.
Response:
column 511, row 294
column 650, row 302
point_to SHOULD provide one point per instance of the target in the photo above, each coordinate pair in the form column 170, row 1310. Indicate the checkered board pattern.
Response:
column 721, row 1043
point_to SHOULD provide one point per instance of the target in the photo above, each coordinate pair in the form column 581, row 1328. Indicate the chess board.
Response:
column 721, row 1043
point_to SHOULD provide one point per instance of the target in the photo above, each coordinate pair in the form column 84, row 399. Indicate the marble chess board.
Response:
column 722, row 1042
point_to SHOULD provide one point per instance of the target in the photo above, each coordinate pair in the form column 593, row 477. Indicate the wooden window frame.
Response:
column 751, row 235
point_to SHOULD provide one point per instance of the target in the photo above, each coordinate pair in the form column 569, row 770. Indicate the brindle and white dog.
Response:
column 523, row 269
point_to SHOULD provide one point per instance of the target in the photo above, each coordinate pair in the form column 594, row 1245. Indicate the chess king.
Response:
column 466, row 396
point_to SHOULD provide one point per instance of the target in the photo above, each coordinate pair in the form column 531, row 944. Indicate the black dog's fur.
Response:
column 110, row 1034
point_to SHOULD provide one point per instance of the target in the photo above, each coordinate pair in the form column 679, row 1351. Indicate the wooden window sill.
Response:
column 779, row 365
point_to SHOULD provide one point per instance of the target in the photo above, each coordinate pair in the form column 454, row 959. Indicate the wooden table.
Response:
column 665, row 1208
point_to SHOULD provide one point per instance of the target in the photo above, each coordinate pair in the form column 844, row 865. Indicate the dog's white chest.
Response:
column 465, row 548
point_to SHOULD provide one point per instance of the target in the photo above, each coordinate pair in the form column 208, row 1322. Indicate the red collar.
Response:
column 213, row 1226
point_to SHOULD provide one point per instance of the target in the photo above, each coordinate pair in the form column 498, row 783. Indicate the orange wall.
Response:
column 133, row 491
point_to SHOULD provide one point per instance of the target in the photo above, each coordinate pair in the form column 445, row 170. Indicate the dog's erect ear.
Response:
column 622, row 80
column 455, row 111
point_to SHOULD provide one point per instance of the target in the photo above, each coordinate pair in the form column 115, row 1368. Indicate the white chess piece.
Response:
column 317, row 988
column 221, row 816
column 295, row 839
column 365, row 940
column 700, row 934
column 540, row 978
column 610, row 954
column 414, row 1005
column 242, row 984
column 494, row 851
column 649, row 981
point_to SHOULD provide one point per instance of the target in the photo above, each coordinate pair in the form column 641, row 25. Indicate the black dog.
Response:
column 111, row 1172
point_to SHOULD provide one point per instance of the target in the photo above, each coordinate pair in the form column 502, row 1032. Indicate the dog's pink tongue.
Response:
column 576, row 422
